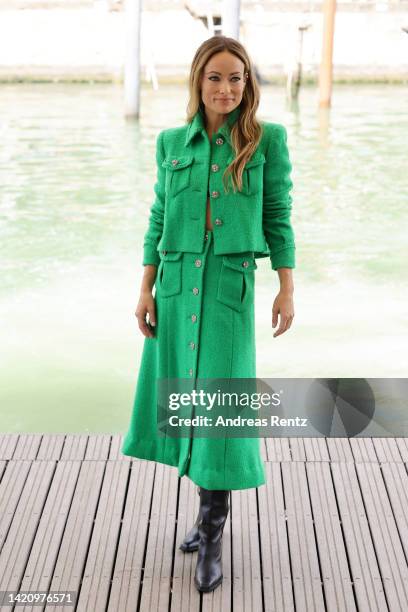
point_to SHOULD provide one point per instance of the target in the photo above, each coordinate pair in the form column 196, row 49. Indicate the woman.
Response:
column 200, row 253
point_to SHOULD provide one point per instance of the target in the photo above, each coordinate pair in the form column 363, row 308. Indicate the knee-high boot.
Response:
column 192, row 539
column 214, row 507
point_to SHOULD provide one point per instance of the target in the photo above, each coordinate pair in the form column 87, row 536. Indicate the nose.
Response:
column 224, row 89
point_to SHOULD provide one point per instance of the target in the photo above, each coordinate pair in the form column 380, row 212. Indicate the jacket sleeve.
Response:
column 277, row 201
column 156, row 217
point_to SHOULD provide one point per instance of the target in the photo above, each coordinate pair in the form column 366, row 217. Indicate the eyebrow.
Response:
column 236, row 72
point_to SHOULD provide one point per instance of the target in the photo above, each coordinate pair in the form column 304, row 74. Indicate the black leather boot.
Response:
column 214, row 506
column 192, row 539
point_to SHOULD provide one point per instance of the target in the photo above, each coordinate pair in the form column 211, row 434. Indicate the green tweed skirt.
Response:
column 205, row 328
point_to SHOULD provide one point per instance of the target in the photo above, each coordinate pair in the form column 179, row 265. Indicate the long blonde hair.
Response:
column 246, row 131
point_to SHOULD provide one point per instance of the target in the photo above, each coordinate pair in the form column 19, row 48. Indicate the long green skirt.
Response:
column 205, row 328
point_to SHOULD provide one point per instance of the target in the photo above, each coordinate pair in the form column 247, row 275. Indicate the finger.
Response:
column 152, row 315
column 285, row 324
column 282, row 326
column 144, row 328
column 275, row 312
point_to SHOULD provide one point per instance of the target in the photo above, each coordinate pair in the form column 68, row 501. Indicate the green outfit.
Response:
column 204, row 295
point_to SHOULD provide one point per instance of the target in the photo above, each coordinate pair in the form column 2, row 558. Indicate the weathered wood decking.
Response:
column 329, row 531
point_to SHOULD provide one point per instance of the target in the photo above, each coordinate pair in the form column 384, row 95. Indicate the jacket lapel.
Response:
column 197, row 125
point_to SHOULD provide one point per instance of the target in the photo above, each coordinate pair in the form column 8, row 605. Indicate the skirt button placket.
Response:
column 194, row 320
column 195, row 315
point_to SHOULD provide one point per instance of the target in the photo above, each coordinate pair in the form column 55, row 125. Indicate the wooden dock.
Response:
column 329, row 530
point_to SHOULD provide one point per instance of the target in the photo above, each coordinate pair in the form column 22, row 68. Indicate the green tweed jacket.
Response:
column 190, row 167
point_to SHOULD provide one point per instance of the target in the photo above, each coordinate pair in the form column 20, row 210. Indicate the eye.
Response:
column 215, row 77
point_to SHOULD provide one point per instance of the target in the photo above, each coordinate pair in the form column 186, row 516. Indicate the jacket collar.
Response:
column 197, row 125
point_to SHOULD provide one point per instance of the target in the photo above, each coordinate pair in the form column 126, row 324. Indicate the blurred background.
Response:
column 77, row 170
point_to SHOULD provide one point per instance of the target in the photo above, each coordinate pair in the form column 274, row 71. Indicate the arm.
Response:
column 151, row 257
column 277, row 201
column 156, row 218
column 277, row 205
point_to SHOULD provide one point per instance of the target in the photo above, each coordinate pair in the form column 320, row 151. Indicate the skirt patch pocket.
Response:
column 168, row 278
column 236, row 283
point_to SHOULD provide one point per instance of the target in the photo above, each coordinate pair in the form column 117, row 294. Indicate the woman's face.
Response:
column 222, row 83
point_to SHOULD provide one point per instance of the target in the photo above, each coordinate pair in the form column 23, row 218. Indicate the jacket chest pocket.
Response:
column 168, row 278
column 236, row 284
column 178, row 173
column 252, row 176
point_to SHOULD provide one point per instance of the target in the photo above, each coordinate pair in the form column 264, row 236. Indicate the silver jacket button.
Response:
column 218, row 222
column 195, row 290
column 219, row 141
column 174, row 162
column 194, row 318
column 245, row 264
column 197, row 263
column 215, row 194
column 215, row 167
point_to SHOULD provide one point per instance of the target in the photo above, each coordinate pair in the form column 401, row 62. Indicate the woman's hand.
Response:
column 146, row 305
column 283, row 306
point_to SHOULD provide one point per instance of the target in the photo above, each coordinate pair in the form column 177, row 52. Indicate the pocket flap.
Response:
column 240, row 261
column 177, row 163
column 259, row 159
column 170, row 255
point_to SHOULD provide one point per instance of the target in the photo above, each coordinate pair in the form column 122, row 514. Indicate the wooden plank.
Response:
column 278, row 449
column 386, row 450
column 46, row 543
column 316, row 449
column 14, row 476
column 402, row 444
column 185, row 596
column 306, row 576
column 78, row 529
column 339, row 449
column 246, row 566
column 396, row 481
column 363, row 450
column 100, row 560
column 127, row 575
column 297, row 449
column 360, row 550
column 160, row 542
column 263, row 449
column 8, row 443
column 74, row 447
column 51, row 447
column 337, row 582
column 98, row 447
column 276, row 573
column 384, row 532
column 3, row 467
column 115, row 446
column 27, row 512
column 27, row 446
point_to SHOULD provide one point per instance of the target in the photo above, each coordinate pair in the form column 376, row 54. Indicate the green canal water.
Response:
column 76, row 182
